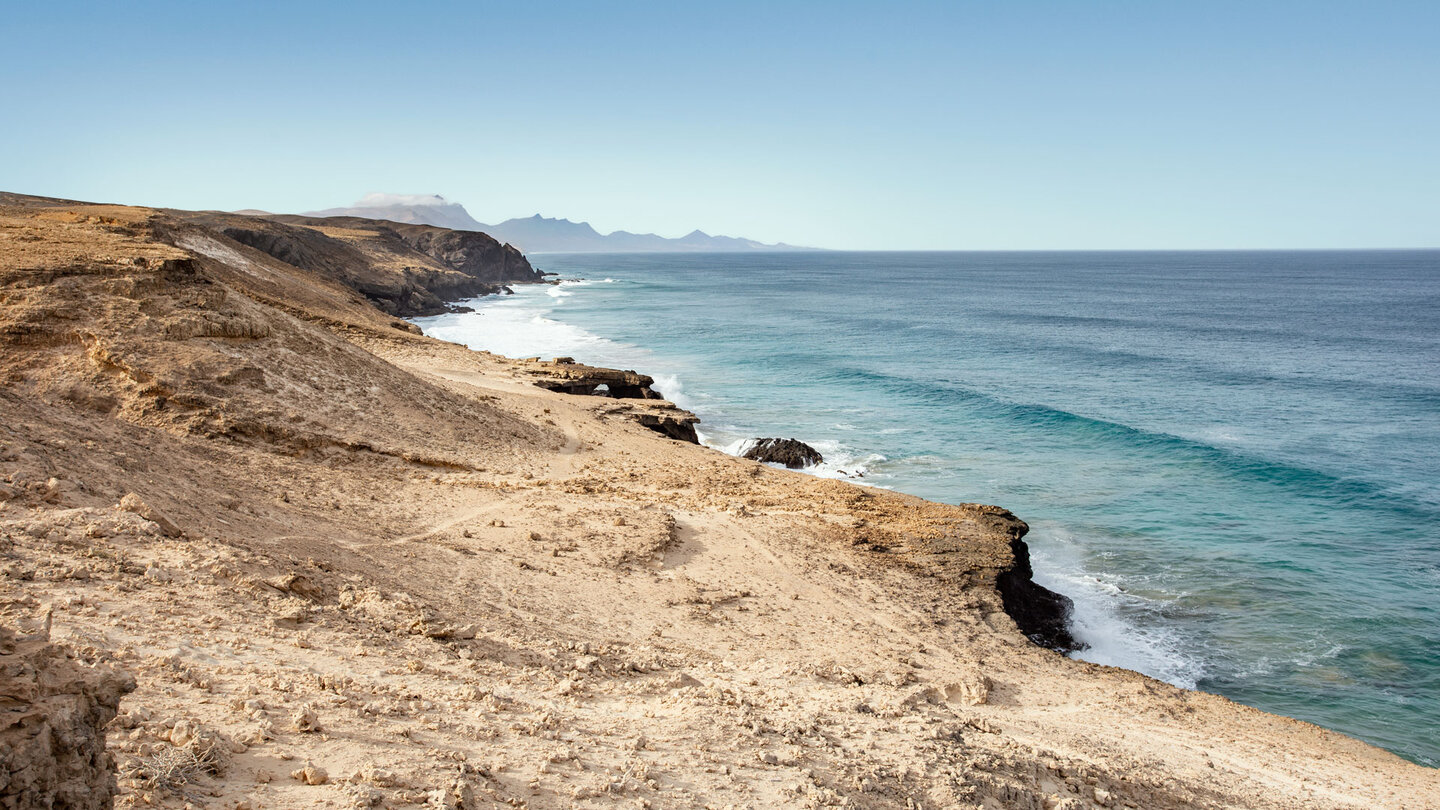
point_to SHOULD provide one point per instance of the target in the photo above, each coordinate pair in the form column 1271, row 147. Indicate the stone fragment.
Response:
column 305, row 720
column 973, row 689
column 298, row 584
column 379, row 777
column 132, row 503
column 310, row 774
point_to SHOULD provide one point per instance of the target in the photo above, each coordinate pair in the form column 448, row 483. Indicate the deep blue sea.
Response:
column 1230, row 460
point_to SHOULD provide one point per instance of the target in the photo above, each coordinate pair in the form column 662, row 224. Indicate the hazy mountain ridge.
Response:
column 538, row 234
column 410, row 210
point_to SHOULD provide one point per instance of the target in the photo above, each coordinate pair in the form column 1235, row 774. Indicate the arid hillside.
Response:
column 350, row 566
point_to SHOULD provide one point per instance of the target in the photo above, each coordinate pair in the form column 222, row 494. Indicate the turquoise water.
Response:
column 1230, row 460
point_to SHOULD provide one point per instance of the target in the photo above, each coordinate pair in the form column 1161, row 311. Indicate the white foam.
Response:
column 519, row 326
column 840, row 462
column 673, row 390
column 1099, row 618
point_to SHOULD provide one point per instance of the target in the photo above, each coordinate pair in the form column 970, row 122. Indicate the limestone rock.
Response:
column 578, row 378
column 310, row 774
column 972, row 690
column 52, row 740
column 305, row 720
column 132, row 503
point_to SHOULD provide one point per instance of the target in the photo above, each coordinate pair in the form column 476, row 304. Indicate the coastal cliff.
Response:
column 404, row 269
column 349, row 564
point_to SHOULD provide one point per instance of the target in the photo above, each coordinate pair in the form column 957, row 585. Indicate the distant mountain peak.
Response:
column 417, row 209
column 536, row 233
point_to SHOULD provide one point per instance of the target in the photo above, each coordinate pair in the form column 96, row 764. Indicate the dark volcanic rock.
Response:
column 679, row 425
column 404, row 269
column 475, row 254
column 790, row 452
column 1039, row 612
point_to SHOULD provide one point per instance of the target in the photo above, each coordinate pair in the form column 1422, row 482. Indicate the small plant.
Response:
column 174, row 767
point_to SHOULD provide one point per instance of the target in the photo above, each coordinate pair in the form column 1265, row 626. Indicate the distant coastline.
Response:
column 538, row 234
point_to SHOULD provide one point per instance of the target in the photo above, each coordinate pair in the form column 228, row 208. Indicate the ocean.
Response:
column 1229, row 460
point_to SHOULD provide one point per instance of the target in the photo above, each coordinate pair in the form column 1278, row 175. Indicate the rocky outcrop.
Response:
column 53, row 712
column 472, row 253
column 792, row 453
column 670, row 421
column 405, row 270
column 1041, row 614
column 568, row 377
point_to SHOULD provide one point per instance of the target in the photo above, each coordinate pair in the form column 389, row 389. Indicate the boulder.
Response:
column 132, row 503
column 53, row 712
column 790, row 452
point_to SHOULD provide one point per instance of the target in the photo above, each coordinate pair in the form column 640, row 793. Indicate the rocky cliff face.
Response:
column 53, row 712
column 405, row 270
column 1041, row 614
column 474, row 254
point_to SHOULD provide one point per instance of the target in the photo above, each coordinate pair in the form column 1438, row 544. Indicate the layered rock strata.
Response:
column 569, row 377
column 566, row 376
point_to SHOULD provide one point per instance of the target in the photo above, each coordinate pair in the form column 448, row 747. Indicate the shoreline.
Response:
column 553, row 312
column 347, row 563
column 1041, row 614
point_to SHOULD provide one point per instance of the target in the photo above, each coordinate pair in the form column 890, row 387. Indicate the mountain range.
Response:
column 537, row 234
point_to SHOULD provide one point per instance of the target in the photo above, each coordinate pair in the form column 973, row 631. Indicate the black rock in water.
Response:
column 790, row 452
column 1041, row 614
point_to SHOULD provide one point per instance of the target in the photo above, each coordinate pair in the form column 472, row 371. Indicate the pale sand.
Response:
column 479, row 593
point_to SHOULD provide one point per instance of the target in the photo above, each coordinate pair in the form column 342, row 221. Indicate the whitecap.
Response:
column 1101, row 615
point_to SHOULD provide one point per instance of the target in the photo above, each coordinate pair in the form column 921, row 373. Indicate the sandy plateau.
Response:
column 349, row 566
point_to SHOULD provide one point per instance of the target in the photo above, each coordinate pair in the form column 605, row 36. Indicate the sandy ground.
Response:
column 360, row 568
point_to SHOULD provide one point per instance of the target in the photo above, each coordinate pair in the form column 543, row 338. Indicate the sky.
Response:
column 946, row 125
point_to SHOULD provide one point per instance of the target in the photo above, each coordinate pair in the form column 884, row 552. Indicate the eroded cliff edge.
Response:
column 368, row 568
column 405, row 270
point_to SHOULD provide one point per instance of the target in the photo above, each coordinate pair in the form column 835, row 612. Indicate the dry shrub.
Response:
column 173, row 767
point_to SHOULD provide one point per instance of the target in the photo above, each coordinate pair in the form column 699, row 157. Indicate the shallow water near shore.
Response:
column 1230, row 460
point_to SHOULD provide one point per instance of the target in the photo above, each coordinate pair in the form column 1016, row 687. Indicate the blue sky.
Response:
column 960, row 125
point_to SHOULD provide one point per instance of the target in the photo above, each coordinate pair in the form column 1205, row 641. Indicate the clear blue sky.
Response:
column 881, row 125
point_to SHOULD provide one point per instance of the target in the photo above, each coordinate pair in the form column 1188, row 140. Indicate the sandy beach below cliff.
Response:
column 351, row 566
